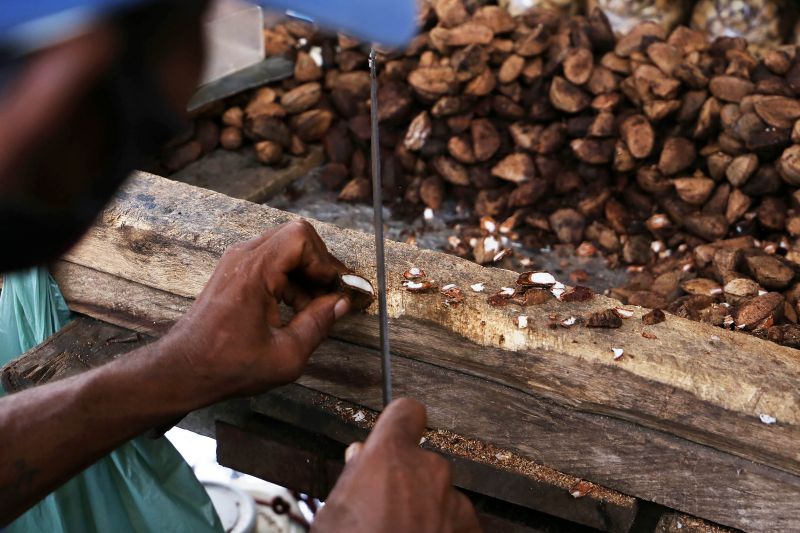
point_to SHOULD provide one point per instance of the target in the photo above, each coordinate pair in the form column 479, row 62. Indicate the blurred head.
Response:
column 77, row 116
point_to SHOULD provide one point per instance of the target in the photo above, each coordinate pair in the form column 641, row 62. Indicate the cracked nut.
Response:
column 358, row 289
column 420, row 286
column 414, row 273
column 536, row 279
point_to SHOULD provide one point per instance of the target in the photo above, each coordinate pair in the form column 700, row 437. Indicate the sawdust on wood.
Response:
column 479, row 451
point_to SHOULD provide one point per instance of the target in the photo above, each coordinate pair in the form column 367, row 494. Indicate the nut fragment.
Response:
column 532, row 296
column 623, row 313
column 498, row 300
column 558, row 290
column 501, row 254
column 767, row 419
column 580, row 489
column 607, row 318
column 618, row 352
column 419, row 287
column 569, row 322
column 358, row 289
column 577, row 294
column 536, row 279
column 653, row 317
column 478, row 287
column 521, row 321
column 414, row 273
column 508, row 291
column 452, row 295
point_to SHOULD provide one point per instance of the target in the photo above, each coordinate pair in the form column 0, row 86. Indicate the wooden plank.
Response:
column 311, row 464
column 281, row 454
column 87, row 343
column 477, row 467
column 678, row 523
column 694, row 381
column 80, row 345
column 118, row 301
column 648, row 464
column 237, row 173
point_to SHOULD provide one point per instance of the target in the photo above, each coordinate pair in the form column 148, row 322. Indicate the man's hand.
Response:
column 233, row 338
column 391, row 484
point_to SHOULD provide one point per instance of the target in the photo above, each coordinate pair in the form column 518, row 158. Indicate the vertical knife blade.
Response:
column 377, row 206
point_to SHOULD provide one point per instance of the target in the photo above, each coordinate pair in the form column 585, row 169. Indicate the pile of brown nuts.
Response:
column 668, row 151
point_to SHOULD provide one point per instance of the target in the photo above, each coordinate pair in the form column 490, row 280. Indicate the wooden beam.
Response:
column 86, row 343
column 694, row 380
column 240, row 175
column 476, row 464
column 311, row 464
column 117, row 300
column 644, row 463
column 649, row 464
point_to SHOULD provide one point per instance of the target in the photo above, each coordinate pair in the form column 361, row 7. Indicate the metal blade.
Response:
column 377, row 206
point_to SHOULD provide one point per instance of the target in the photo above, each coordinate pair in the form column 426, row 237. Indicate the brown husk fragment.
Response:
column 653, row 317
column 604, row 319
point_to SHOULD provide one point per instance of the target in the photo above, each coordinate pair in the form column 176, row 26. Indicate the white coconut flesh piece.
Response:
column 767, row 419
column 567, row 322
column 489, row 224
column 478, row 287
column 623, row 313
column 358, row 283
column 490, row 244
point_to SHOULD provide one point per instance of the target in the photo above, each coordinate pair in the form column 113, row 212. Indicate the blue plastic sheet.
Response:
column 145, row 485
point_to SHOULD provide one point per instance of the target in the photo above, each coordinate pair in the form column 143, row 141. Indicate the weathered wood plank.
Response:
column 169, row 236
column 648, row 464
column 80, row 345
column 475, row 464
column 678, row 523
column 239, row 174
column 311, row 464
column 87, row 343
column 645, row 463
column 118, row 301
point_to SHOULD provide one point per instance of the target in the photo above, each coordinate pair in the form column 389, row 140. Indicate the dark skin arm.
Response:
column 230, row 343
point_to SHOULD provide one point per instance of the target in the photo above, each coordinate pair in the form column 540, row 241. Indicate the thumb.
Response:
column 309, row 327
column 403, row 421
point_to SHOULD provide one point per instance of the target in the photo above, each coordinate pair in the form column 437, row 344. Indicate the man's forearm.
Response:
column 50, row 433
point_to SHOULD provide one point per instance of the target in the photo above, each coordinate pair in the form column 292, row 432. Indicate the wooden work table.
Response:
column 531, row 412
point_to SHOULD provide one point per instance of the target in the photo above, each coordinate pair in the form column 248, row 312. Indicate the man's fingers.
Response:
column 297, row 296
column 352, row 451
column 309, row 327
column 462, row 514
column 297, row 248
column 402, row 421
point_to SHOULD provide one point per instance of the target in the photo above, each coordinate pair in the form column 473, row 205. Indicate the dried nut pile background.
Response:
column 662, row 150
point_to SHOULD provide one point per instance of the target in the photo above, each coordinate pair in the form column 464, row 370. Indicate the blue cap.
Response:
column 32, row 23
column 388, row 22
